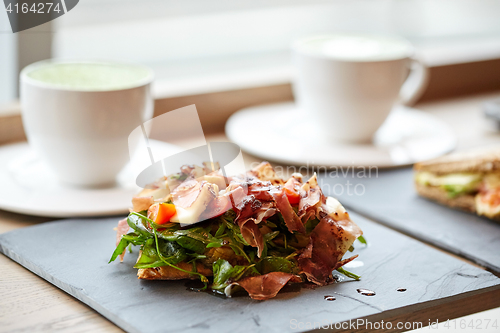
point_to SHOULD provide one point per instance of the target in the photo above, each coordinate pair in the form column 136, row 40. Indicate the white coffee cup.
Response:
column 350, row 82
column 78, row 115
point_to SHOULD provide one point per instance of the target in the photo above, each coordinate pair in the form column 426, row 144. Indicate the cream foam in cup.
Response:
column 89, row 76
column 78, row 115
column 350, row 82
column 356, row 47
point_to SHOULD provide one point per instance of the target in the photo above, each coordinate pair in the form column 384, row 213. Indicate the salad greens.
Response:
column 224, row 273
column 217, row 243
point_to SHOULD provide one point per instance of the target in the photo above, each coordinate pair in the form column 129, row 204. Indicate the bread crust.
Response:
column 476, row 161
column 170, row 273
column 464, row 202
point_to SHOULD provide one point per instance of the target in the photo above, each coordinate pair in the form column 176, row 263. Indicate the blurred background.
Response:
column 225, row 55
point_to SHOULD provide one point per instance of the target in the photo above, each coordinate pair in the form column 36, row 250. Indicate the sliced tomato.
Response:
column 491, row 197
column 293, row 197
column 161, row 213
column 291, row 192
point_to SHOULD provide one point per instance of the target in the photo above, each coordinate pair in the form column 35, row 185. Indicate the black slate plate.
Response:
column 73, row 255
column 392, row 200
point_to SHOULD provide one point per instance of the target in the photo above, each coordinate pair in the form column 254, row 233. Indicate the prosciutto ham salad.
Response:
column 252, row 232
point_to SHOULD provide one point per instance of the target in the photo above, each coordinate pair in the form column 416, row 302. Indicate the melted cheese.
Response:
column 191, row 214
column 334, row 206
column 216, row 180
column 460, row 179
column 161, row 191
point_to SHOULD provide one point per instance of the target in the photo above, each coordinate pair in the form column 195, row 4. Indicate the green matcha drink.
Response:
column 88, row 76
column 79, row 115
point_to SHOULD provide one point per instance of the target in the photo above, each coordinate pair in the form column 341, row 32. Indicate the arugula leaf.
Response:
column 196, row 233
column 146, row 261
column 310, row 225
column 194, row 239
column 171, row 251
column 196, row 256
column 119, row 249
column 291, row 255
column 236, row 233
column 270, row 224
column 203, row 278
column 224, row 273
column 268, row 239
column 229, row 216
column 239, row 251
column 236, row 240
column 348, row 274
column 214, row 244
column 362, row 240
column 270, row 236
column 133, row 238
column 274, row 264
column 191, row 244
column 134, row 221
column 264, row 250
column 220, row 231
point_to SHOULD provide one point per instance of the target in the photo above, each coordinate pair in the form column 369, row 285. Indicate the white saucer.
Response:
column 278, row 132
column 28, row 186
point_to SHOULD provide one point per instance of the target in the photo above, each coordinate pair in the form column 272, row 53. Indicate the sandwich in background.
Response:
column 469, row 181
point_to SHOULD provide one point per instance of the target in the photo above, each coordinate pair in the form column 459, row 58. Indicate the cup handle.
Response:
column 415, row 84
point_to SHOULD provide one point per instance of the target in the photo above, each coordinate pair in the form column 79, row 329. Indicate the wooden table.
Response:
column 29, row 303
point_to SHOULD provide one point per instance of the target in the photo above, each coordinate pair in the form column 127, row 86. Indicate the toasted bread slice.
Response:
column 170, row 273
column 464, row 202
column 476, row 161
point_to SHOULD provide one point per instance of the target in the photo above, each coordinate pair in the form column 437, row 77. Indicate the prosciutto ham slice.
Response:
column 292, row 221
column 252, row 235
column 330, row 240
column 266, row 286
column 142, row 203
column 250, row 212
column 264, row 171
column 121, row 229
column 191, row 199
column 311, row 199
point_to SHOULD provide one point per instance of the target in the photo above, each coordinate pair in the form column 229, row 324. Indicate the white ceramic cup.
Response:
column 78, row 116
column 350, row 82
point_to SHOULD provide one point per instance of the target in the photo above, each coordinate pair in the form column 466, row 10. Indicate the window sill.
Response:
column 219, row 87
column 195, row 77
